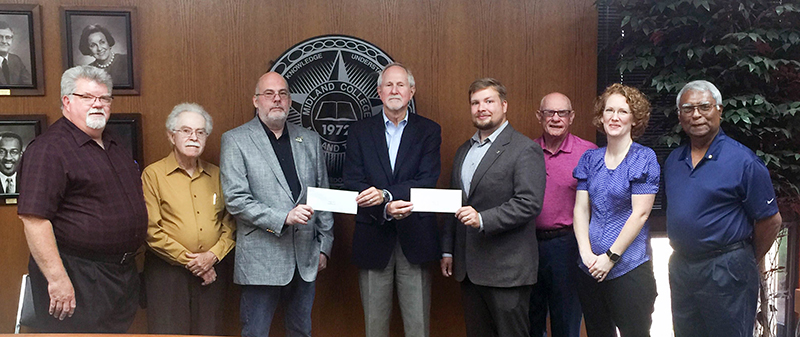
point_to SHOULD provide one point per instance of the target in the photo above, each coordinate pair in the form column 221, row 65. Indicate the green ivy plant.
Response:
column 750, row 49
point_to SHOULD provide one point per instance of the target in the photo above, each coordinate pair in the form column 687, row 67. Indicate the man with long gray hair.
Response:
column 188, row 233
column 84, row 215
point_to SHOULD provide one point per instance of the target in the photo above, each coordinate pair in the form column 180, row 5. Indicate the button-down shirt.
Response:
column 283, row 150
column 559, row 192
column 92, row 195
column 186, row 214
column 610, row 195
column 475, row 155
column 715, row 203
column 393, row 136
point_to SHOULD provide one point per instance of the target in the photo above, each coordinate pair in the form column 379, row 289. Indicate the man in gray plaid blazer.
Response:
column 266, row 166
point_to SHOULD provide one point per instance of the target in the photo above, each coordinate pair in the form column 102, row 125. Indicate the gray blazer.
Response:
column 507, row 190
column 258, row 196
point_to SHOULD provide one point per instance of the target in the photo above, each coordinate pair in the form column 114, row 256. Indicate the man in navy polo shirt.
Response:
column 722, row 218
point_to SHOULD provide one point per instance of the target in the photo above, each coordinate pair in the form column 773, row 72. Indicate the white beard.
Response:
column 94, row 121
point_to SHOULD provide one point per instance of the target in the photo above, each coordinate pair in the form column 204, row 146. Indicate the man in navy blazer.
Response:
column 387, row 155
column 12, row 71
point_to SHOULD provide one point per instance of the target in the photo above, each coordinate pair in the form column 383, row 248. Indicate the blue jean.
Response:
column 258, row 304
column 716, row 296
column 556, row 290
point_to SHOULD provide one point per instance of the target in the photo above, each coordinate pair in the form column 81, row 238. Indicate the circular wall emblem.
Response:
column 333, row 83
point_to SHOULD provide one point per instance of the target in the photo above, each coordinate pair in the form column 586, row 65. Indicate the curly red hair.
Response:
column 637, row 101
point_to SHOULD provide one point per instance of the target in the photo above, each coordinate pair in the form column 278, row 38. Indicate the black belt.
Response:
column 552, row 234
column 716, row 252
column 124, row 258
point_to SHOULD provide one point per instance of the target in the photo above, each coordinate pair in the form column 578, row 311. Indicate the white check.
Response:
column 435, row 200
column 324, row 199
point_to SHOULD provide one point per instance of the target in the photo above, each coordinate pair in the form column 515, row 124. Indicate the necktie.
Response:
column 9, row 185
column 6, row 73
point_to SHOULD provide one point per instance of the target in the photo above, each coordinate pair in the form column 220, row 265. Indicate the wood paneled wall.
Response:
column 212, row 52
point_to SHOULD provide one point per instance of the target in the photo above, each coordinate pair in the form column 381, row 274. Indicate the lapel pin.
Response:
column 299, row 139
column 498, row 151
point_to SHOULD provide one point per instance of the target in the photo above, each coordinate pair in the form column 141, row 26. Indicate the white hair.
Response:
column 172, row 119
column 702, row 86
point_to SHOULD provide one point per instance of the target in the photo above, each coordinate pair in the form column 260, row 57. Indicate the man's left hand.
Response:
column 323, row 262
column 399, row 209
column 201, row 262
column 209, row 277
column 469, row 217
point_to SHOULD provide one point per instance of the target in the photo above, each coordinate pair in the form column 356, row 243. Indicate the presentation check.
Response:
column 325, row 199
column 435, row 200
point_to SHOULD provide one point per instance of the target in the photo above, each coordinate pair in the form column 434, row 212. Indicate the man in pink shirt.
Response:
column 556, row 292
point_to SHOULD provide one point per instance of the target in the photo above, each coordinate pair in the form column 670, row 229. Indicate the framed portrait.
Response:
column 126, row 128
column 21, row 70
column 104, row 37
column 16, row 132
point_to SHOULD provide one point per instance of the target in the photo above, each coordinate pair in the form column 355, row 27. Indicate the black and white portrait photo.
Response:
column 102, row 39
column 18, row 48
column 16, row 132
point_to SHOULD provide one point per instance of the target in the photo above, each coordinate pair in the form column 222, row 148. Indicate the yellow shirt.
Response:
column 186, row 214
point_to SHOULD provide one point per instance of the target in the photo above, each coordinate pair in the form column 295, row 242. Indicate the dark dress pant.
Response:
column 715, row 296
column 178, row 303
column 626, row 302
column 259, row 302
column 495, row 311
column 106, row 296
column 556, row 291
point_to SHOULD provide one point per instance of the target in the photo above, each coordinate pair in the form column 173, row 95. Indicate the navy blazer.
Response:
column 417, row 165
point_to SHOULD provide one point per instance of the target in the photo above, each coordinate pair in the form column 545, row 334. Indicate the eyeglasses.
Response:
column 551, row 113
column 689, row 109
column 14, row 152
column 620, row 112
column 269, row 94
column 90, row 99
column 187, row 132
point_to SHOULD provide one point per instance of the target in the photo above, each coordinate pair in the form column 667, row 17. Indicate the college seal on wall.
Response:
column 333, row 83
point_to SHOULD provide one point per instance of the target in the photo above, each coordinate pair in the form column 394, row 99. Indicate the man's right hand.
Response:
column 62, row 298
column 370, row 197
column 447, row 266
column 299, row 215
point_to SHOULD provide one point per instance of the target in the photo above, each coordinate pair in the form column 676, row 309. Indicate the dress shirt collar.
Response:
column 172, row 165
column 388, row 122
column 476, row 138
column 271, row 135
column 566, row 146
column 713, row 151
column 81, row 138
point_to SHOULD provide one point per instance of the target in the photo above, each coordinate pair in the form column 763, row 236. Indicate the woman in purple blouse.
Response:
column 616, row 189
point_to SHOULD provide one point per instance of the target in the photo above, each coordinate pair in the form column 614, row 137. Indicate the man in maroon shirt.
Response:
column 555, row 292
column 83, row 211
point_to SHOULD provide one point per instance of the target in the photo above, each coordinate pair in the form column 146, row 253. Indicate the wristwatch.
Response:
column 386, row 196
column 614, row 257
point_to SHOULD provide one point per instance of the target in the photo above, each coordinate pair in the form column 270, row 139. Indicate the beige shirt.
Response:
column 186, row 214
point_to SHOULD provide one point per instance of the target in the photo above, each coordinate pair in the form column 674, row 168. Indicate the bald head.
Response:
column 272, row 99
column 555, row 115
column 555, row 99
